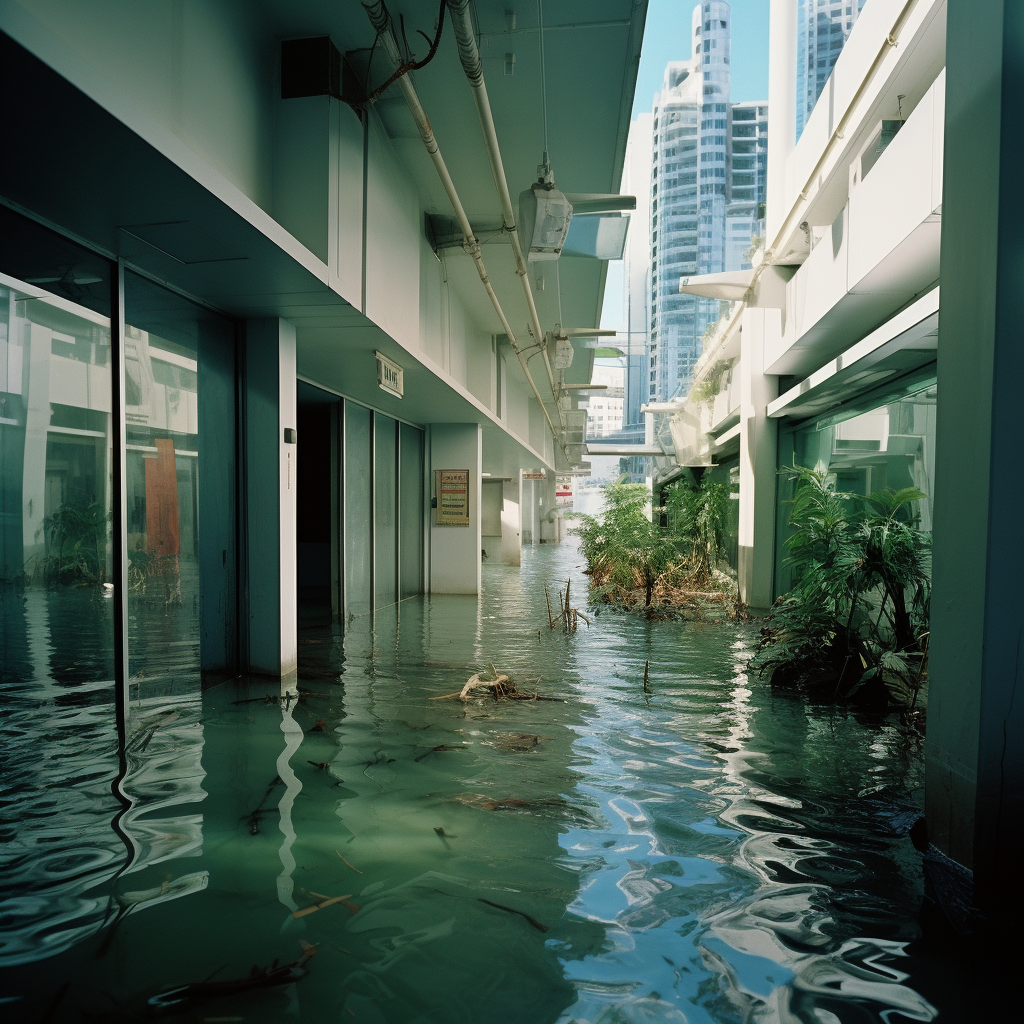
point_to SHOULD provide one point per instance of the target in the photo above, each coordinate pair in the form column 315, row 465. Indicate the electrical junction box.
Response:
column 563, row 354
column 544, row 218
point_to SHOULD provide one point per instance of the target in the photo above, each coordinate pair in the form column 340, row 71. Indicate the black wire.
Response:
column 414, row 65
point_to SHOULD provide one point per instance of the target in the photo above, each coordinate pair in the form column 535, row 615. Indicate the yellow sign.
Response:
column 452, row 488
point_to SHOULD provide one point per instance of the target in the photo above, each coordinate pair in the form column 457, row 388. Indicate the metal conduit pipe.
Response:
column 469, row 54
column 381, row 21
column 838, row 133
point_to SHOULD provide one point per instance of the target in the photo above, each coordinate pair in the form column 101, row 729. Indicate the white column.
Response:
column 758, row 456
column 511, row 538
column 546, row 508
column 271, row 573
column 455, row 550
column 782, row 28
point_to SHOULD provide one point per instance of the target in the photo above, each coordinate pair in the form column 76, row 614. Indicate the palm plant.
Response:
column 848, row 619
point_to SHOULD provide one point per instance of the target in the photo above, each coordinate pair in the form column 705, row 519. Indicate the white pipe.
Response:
column 381, row 20
column 469, row 54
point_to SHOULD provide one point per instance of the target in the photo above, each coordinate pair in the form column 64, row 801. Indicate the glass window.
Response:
column 888, row 446
column 181, row 488
column 385, row 540
column 358, row 532
column 411, row 510
column 56, row 607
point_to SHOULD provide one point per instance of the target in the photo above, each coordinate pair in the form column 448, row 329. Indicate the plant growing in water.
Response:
column 857, row 616
column 627, row 551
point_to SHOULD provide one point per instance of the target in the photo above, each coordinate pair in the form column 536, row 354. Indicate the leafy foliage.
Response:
column 857, row 616
column 76, row 537
column 710, row 385
column 626, row 550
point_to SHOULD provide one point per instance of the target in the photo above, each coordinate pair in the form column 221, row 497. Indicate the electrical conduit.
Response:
column 381, row 21
column 469, row 54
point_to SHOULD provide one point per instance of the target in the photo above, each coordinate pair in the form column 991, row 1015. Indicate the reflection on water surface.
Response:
column 707, row 852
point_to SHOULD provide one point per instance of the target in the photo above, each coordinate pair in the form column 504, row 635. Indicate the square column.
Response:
column 974, row 753
column 455, row 550
column 271, row 612
column 511, row 539
column 758, row 457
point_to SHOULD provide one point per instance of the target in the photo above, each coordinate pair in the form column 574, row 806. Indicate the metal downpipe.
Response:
column 381, row 21
column 469, row 55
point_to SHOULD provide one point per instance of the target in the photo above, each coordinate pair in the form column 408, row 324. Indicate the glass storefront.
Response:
column 376, row 501
column 103, row 731
column 358, row 527
column 410, row 510
column 181, row 468
column 56, row 607
column 385, row 536
column 868, row 448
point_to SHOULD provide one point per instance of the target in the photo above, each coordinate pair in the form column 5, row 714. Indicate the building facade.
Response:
column 249, row 382
column 708, row 173
column 855, row 350
column 823, row 26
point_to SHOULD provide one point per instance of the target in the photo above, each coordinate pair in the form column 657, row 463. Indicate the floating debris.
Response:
column 501, row 686
column 515, row 742
column 512, row 910
column 347, row 864
column 324, row 901
column 441, row 748
column 260, row 977
column 253, row 819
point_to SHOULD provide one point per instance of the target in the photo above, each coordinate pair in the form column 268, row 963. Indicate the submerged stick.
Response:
column 551, row 621
column 512, row 910
column 647, row 666
column 352, row 866
column 323, row 903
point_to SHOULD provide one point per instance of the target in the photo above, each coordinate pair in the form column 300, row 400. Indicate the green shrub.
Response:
column 858, row 610
column 625, row 550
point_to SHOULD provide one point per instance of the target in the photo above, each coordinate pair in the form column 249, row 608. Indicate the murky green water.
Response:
column 703, row 852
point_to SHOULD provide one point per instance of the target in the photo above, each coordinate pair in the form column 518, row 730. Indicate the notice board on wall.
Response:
column 452, row 489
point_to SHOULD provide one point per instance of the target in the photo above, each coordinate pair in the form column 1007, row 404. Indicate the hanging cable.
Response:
column 543, row 76
column 558, row 292
column 412, row 65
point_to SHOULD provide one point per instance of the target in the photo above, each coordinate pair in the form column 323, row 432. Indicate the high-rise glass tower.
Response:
column 823, row 26
column 702, row 179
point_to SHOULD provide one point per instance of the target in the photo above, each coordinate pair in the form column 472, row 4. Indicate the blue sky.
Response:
column 667, row 37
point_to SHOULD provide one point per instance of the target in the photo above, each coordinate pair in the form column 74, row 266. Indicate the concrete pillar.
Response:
column 782, row 26
column 511, row 539
column 975, row 746
column 547, row 509
column 455, row 550
column 270, row 456
column 758, row 459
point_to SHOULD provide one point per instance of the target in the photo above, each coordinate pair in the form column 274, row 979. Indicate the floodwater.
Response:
column 702, row 850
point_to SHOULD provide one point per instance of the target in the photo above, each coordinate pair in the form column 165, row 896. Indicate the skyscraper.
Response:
column 708, row 166
column 748, row 178
column 823, row 26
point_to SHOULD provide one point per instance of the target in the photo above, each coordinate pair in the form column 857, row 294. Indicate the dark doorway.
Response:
column 318, row 483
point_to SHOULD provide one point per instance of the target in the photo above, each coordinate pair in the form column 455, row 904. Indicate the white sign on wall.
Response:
column 389, row 375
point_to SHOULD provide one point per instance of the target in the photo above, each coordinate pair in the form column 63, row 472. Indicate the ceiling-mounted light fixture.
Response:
column 544, row 216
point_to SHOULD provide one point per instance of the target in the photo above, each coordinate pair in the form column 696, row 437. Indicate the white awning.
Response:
column 769, row 287
column 732, row 285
